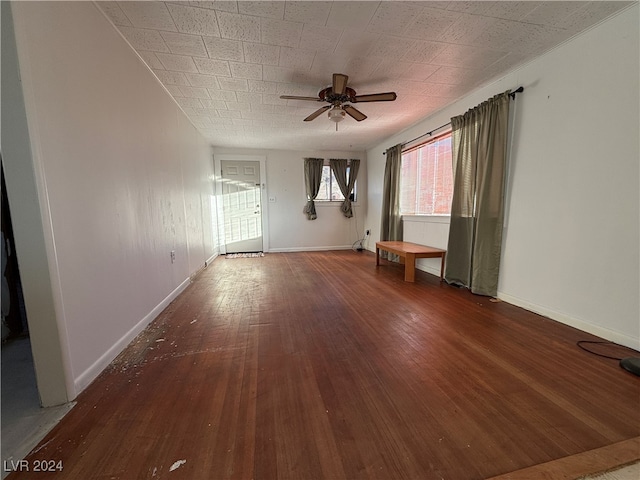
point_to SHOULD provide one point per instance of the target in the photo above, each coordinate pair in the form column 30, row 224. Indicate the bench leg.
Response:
column 410, row 268
column 377, row 256
column 442, row 268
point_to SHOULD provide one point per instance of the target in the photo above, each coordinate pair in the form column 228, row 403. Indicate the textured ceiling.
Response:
column 226, row 63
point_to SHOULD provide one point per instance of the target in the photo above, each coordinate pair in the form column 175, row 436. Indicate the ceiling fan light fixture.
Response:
column 336, row 114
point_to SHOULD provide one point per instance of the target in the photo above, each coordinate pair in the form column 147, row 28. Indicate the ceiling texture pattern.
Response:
column 226, row 63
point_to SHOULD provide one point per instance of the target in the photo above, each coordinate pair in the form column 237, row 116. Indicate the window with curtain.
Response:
column 426, row 178
column 329, row 189
column 477, row 211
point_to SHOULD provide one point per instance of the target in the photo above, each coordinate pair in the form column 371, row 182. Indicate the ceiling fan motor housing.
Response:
column 336, row 98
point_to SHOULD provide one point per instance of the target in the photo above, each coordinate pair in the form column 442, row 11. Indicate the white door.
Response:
column 241, row 206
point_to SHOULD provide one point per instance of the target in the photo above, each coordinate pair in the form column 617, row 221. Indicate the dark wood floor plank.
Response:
column 585, row 463
column 322, row 365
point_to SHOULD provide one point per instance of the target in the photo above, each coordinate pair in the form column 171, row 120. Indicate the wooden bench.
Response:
column 408, row 252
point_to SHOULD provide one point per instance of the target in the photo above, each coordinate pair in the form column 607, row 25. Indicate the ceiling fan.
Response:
column 337, row 95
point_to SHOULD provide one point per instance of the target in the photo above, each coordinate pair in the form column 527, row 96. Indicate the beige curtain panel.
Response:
column 312, row 179
column 391, row 220
column 479, row 150
column 346, row 182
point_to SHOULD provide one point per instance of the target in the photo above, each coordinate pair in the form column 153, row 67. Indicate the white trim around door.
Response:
column 217, row 158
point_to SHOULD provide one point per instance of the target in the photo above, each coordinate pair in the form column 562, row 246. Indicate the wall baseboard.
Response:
column 428, row 269
column 605, row 333
column 309, row 249
column 208, row 261
column 85, row 378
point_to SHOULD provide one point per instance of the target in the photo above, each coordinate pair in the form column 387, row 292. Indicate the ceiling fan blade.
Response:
column 353, row 112
column 339, row 83
column 376, row 97
column 293, row 97
column 317, row 113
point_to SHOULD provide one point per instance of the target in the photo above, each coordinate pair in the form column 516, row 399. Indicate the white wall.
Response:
column 123, row 180
column 50, row 357
column 289, row 229
column 572, row 237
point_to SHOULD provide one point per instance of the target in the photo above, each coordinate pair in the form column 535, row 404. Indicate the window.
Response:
column 329, row 188
column 426, row 178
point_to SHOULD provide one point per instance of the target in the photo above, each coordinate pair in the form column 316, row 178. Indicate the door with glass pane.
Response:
column 241, row 206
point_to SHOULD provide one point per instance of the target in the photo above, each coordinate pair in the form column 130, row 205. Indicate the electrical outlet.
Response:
column 173, row 256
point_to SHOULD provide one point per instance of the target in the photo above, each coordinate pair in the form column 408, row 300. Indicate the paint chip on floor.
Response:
column 177, row 464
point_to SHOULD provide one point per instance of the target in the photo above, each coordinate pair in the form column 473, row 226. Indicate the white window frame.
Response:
column 335, row 203
column 428, row 217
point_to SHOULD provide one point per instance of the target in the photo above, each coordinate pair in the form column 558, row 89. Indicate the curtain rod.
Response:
column 511, row 94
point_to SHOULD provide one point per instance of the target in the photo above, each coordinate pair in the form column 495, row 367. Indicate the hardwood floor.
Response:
column 322, row 365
